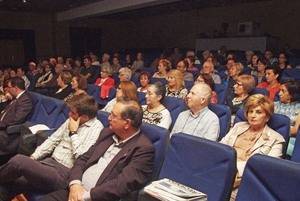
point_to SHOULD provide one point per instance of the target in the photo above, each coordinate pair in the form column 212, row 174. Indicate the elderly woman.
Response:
column 163, row 68
column 243, row 86
column 125, row 74
column 79, row 86
column 144, row 81
column 105, row 82
column 64, row 83
column 254, row 136
column 271, row 84
column 289, row 105
column 155, row 112
column 182, row 67
column 175, row 86
column 126, row 90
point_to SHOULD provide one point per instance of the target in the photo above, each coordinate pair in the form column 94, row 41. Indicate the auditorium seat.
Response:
column 221, row 90
column 204, row 165
column 296, row 152
column 262, row 91
column 224, row 114
column 268, row 179
column 175, row 107
column 95, row 91
column 162, row 80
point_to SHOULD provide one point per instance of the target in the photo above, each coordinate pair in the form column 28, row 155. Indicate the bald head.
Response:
column 198, row 97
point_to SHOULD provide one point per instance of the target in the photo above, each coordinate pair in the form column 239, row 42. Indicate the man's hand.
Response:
column 73, row 124
column 76, row 192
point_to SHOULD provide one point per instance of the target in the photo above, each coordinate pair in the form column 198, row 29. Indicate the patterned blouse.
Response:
column 161, row 118
column 178, row 94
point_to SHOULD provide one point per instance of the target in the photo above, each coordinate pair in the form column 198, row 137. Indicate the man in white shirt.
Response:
column 199, row 120
column 47, row 169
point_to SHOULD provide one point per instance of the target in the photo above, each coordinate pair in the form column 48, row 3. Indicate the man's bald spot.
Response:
column 203, row 90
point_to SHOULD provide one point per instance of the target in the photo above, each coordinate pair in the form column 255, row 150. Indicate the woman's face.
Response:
column 161, row 67
column 139, row 56
column 261, row 67
column 144, row 80
column 238, row 89
column 151, row 97
column 257, row 117
column 74, row 83
column 171, row 80
column 104, row 73
column 12, row 73
column 181, row 67
column 232, row 71
column 254, row 60
column 270, row 76
column 282, row 59
column 284, row 94
column 119, row 93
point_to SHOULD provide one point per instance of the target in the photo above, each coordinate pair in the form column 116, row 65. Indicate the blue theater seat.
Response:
column 277, row 122
column 296, row 152
column 224, row 114
column 268, row 179
column 94, row 91
column 175, row 107
column 221, row 90
column 262, row 91
column 204, row 165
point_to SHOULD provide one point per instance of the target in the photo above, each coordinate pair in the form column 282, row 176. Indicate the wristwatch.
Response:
column 72, row 133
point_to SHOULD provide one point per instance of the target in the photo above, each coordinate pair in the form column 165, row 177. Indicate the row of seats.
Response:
column 208, row 166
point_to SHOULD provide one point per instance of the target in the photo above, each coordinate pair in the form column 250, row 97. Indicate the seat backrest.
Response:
column 204, row 165
column 224, row 114
column 141, row 98
column 221, row 90
column 175, row 107
column 290, row 74
column 267, row 179
column 49, row 111
column 296, row 151
column 188, row 84
column 278, row 122
column 95, row 91
column 158, row 136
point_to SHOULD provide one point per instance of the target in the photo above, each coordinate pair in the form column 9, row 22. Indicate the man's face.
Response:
column 86, row 62
column 194, row 99
column 73, row 113
column 20, row 72
column 116, row 122
column 207, row 67
column 12, row 90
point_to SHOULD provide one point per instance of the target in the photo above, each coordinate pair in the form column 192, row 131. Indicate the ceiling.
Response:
column 54, row 6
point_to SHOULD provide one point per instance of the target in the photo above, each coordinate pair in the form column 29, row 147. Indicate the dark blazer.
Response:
column 17, row 111
column 63, row 94
column 129, row 171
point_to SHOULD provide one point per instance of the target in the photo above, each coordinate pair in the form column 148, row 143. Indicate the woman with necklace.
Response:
column 175, row 86
column 155, row 112
column 254, row 136
column 289, row 105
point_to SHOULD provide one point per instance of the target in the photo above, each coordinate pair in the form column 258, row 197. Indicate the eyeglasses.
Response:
column 239, row 83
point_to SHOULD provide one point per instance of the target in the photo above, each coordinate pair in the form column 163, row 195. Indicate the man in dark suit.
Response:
column 120, row 162
column 14, row 113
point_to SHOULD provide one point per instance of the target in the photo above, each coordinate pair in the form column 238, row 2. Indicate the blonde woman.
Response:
column 163, row 68
column 175, row 86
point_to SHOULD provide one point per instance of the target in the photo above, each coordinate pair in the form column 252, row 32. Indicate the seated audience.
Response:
column 64, row 83
column 283, row 62
column 120, row 163
column 198, row 120
column 115, row 65
column 138, row 63
column 175, row 86
column 233, row 73
column 47, row 169
column 254, row 136
column 125, row 74
column 243, row 86
column 207, row 79
column 270, row 57
column 144, row 78
column 45, row 77
column 16, row 112
column 105, row 60
column 248, row 56
column 253, row 64
column 163, row 68
column 271, row 84
column 88, row 71
column 182, row 67
column 155, row 112
column 126, row 90
column 260, row 74
column 79, row 86
column 208, row 68
column 289, row 105
column 105, row 82
column 128, row 61
column 21, row 74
